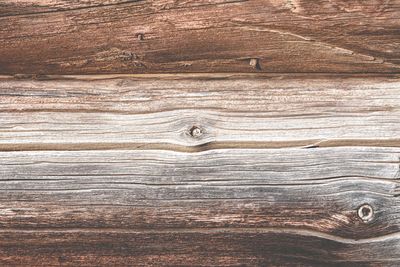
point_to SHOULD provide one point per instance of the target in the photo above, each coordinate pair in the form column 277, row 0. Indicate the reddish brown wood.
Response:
column 199, row 36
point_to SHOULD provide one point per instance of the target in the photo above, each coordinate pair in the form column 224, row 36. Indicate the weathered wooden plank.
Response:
column 92, row 36
column 221, row 207
column 310, row 189
column 140, row 112
column 224, row 247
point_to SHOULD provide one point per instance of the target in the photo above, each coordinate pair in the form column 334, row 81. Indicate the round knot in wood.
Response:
column 365, row 213
column 195, row 132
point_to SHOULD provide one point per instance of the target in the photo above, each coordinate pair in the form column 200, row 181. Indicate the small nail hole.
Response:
column 195, row 132
column 255, row 63
column 365, row 213
column 140, row 36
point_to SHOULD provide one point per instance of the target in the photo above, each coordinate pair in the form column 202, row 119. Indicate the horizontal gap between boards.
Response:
column 200, row 75
column 302, row 144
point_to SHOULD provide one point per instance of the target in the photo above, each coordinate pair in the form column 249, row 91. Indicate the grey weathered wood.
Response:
column 133, row 206
column 317, row 189
column 132, row 112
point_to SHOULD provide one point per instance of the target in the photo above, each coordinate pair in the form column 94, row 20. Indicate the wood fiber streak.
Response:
column 164, row 36
column 140, row 112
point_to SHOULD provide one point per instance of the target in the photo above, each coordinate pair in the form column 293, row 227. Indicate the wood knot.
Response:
column 196, row 132
column 365, row 212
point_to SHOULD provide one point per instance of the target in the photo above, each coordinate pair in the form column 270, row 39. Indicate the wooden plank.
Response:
column 306, row 189
column 199, row 248
column 219, row 207
column 140, row 112
column 92, row 36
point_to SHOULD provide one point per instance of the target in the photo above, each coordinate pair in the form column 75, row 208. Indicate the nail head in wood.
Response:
column 365, row 213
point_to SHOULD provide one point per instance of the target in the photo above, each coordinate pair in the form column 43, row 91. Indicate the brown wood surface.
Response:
column 116, row 36
column 200, row 133
column 199, row 169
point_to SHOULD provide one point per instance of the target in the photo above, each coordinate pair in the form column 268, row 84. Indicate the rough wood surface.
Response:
column 141, row 112
column 116, row 36
column 200, row 170
column 193, row 248
column 310, row 189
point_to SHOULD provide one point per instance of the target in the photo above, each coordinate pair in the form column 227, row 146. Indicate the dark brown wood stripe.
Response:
column 97, row 37
column 217, row 248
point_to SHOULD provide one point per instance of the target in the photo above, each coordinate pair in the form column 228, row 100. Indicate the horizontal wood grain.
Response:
column 225, row 247
column 29, row 7
column 199, row 169
column 163, row 36
column 230, row 111
column 220, row 207
column 315, row 189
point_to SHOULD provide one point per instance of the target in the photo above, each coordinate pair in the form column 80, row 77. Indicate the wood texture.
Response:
column 293, row 162
column 116, row 36
column 270, row 111
column 221, row 170
column 180, row 248
column 217, row 188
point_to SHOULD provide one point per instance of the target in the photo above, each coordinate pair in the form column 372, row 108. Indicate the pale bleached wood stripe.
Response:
column 283, row 95
column 149, row 113
column 317, row 189
column 173, row 127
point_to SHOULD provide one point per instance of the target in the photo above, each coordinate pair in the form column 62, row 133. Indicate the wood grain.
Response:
column 314, row 189
column 163, row 36
column 221, row 207
column 182, row 248
column 199, row 169
column 230, row 111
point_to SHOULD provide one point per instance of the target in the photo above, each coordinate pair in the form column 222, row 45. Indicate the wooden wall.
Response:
column 199, row 133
